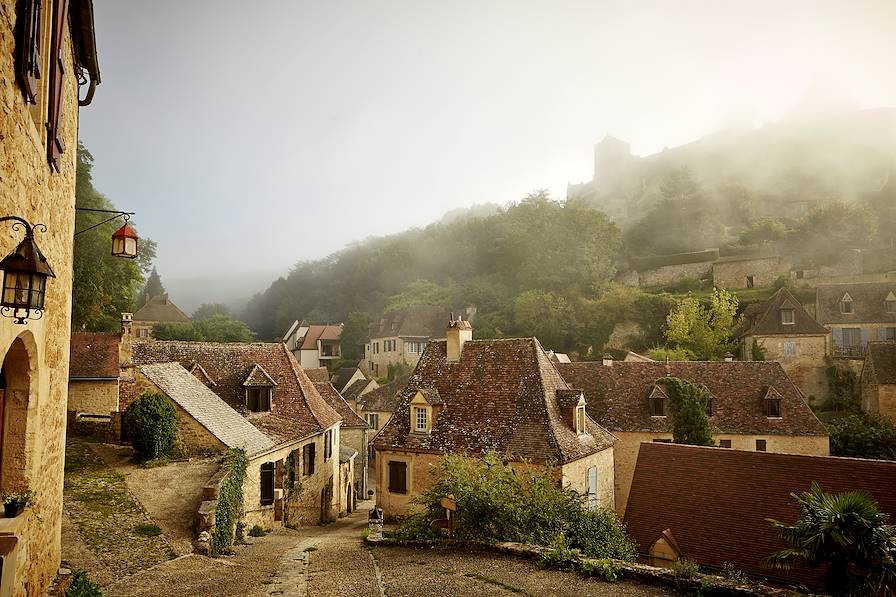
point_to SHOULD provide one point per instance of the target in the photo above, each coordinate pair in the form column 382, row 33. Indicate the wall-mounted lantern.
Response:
column 25, row 273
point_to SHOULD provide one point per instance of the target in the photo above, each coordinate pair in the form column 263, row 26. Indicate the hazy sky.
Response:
column 250, row 135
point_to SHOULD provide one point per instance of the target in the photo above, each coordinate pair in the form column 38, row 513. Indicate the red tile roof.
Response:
column 160, row 308
column 716, row 501
column 500, row 396
column 350, row 419
column 94, row 356
column 766, row 319
column 317, row 374
column 320, row 332
column 297, row 406
column 617, row 395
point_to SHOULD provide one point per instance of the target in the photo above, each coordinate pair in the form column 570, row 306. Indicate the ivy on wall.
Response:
column 230, row 501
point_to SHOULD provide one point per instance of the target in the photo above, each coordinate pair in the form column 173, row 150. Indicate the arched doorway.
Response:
column 15, row 393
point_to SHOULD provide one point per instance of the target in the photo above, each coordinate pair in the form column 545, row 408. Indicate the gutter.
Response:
column 85, row 32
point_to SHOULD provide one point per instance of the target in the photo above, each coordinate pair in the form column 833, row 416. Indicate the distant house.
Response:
column 263, row 384
column 879, row 379
column 353, row 435
column 754, row 406
column 377, row 405
column 857, row 314
column 355, row 390
column 158, row 309
column 711, row 506
column 789, row 335
column 314, row 345
column 472, row 396
column 749, row 271
column 346, row 376
column 401, row 336
column 93, row 374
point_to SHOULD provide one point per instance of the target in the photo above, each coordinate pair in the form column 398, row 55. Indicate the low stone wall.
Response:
column 699, row 584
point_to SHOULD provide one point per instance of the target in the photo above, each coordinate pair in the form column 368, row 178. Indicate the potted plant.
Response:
column 15, row 502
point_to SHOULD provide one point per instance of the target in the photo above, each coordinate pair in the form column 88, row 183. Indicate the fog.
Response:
column 247, row 140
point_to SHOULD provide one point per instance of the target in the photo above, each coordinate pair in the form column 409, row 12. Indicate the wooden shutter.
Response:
column 312, row 456
column 30, row 59
column 55, row 143
column 267, row 483
column 398, row 477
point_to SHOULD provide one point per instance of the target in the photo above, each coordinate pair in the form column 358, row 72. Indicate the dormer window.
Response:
column 846, row 304
column 656, row 402
column 580, row 419
column 259, row 399
column 787, row 316
column 771, row 404
column 890, row 303
column 424, row 407
column 421, row 419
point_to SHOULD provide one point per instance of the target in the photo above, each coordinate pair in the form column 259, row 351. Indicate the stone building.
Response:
column 45, row 48
column 376, row 406
column 400, row 337
column 857, row 314
column 158, row 309
column 879, row 379
column 264, row 384
column 353, row 392
column 314, row 345
column 749, row 271
column 754, row 406
column 712, row 506
column 473, row 396
column 93, row 374
column 353, row 435
column 789, row 335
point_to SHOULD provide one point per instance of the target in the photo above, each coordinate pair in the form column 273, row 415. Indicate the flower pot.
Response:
column 12, row 510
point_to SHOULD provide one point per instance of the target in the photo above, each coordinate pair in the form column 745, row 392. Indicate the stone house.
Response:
column 857, row 314
column 376, row 406
column 789, row 335
column 314, row 345
column 46, row 48
column 474, row 396
column 158, row 309
column 343, row 377
column 93, row 374
column 878, row 379
column 749, row 271
column 264, row 384
column 754, row 406
column 400, row 337
column 353, row 435
column 712, row 506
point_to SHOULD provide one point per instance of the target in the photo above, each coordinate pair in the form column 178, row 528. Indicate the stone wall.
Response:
column 419, row 479
column 626, row 452
column 670, row 274
column 30, row 190
column 95, row 397
column 356, row 439
column 807, row 369
column 880, row 399
column 575, row 476
column 764, row 271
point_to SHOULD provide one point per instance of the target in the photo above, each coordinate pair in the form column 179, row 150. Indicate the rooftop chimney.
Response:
column 608, row 360
column 728, row 357
column 458, row 332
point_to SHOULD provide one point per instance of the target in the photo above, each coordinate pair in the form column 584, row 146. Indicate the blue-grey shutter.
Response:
column 866, row 336
column 838, row 336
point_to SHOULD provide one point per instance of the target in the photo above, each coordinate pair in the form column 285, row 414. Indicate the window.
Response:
column 760, row 445
column 421, row 419
column 846, row 304
column 772, row 407
column 787, row 317
column 657, row 405
column 308, row 457
column 891, row 305
column 398, row 477
column 592, row 488
column 724, row 443
column 258, row 399
column 750, row 282
column 888, row 334
column 580, row 419
column 267, row 483
column 789, row 349
column 30, row 59
column 414, row 347
column 373, row 420
column 143, row 333
column 328, row 444
column 852, row 337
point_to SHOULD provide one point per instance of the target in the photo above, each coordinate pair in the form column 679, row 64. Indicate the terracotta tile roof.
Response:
column 766, row 320
column 258, row 378
column 716, row 501
column 500, row 396
column 617, row 395
column 295, row 399
column 94, row 356
column 201, row 374
column 320, row 332
column 880, row 363
column 160, row 308
column 868, row 303
column 342, row 375
column 353, row 392
column 384, row 398
column 420, row 321
column 317, row 374
column 206, row 407
column 350, row 419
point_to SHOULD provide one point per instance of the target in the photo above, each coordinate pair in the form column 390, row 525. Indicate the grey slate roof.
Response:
column 346, row 454
column 868, row 303
column 765, row 320
column 160, row 308
column 418, row 321
column 206, row 407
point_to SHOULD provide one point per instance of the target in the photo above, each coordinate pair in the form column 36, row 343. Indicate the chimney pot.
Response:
column 729, row 357
column 608, row 360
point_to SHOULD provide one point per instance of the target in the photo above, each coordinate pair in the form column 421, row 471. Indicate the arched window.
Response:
column 14, row 400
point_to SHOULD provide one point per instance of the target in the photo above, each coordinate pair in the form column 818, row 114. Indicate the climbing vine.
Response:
column 689, row 405
column 230, row 501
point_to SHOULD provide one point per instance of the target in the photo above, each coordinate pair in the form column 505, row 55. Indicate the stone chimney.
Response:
column 608, row 360
column 125, row 345
column 458, row 332
column 728, row 357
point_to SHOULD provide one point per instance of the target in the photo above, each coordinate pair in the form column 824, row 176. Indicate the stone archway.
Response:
column 15, row 398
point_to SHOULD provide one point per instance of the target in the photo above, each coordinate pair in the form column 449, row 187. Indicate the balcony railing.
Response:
column 851, row 352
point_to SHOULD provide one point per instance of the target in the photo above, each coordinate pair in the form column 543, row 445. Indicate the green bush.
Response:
column 560, row 555
column 496, row 503
column 82, row 586
column 148, row 530
column 605, row 569
column 152, row 425
column 685, row 568
column 729, row 572
column 863, row 435
column 257, row 531
column 229, row 510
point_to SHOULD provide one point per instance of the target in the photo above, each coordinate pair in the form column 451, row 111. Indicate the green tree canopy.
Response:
column 103, row 286
column 766, row 230
column 689, row 406
column 152, row 288
column 705, row 331
column 152, row 425
column 354, row 335
column 217, row 328
column 207, row 310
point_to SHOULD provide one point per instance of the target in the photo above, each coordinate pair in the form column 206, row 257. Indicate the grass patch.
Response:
column 148, row 530
column 494, row 581
column 155, row 462
column 257, row 531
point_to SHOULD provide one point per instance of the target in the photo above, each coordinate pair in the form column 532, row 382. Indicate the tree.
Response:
column 829, row 229
column 152, row 425
column 863, row 435
column 354, row 335
column 689, row 406
column 152, row 288
column 207, row 310
column 217, row 328
column 846, row 532
column 545, row 315
column 707, row 332
column 103, row 286
column 766, row 230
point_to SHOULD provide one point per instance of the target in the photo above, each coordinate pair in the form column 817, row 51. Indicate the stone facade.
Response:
column 805, row 360
column 670, row 274
column 628, row 445
column 35, row 357
column 356, row 439
column 379, row 354
column 758, row 272
column 93, row 397
column 574, row 475
column 880, row 399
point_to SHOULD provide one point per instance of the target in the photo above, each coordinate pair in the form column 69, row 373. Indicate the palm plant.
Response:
column 848, row 533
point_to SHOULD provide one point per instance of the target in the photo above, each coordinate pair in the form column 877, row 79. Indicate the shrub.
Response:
column 560, row 555
column 257, row 531
column 863, row 435
column 685, row 568
column 229, row 510
column 729, row 572
column 82, row 586
column 605, row 569
column 496, row 503
column 148, row 530
column 152, row 425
